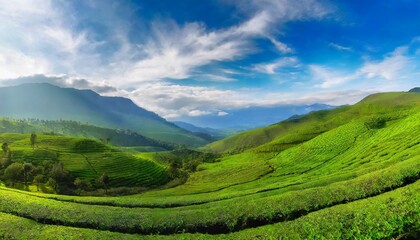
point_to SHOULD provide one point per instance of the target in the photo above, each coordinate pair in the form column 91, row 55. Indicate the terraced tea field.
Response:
column 87, row 159
column 349, row 173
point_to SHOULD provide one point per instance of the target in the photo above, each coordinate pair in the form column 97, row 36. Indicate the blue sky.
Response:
column 193, row 58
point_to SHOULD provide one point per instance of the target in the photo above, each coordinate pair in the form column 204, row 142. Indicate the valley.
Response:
column 350, row 172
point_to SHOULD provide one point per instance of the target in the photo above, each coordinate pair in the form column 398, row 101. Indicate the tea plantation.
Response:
column 348, row 173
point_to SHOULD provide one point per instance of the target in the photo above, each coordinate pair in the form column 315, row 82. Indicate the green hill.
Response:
column 86, row 159
column 347, row 173
column 124, row 138
column 48, row 102
column 295, row 131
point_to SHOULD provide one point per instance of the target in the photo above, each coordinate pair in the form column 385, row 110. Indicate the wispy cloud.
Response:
column 53, row 34
column 330, row 78
column 392, row 67
column 281, row 47
column 272, row 67
column 216, row 78
column 176, row 51
column 340, row 47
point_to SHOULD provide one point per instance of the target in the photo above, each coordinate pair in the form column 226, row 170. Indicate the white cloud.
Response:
column 53, row 32
column 271, row 68
column 285, row 10
column 395, row 66
column 340, row 47
column 221, row 114
column 216, row 78
column 198, row 113
column 390, row 68
column 176, row 51
column 16, row 63
column 46, row 32
column 281, row 47
column 65, row 40
column 171, row 100
column 330, row 78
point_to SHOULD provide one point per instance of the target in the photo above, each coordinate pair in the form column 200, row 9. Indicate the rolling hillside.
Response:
column 124, row 138
column 347, row 173
column 86, row 159
column 48, row 102
column 297, row 130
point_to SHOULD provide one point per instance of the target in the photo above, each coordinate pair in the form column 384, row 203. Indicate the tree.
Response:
column 5, row 148
column 79, row 185
column 27, row 169
column 57, row 171
column 38, row 179
column 60, row 176
column 52, row 183
column 14, row 172
column 8, row 160
column 104, row 179
column 33, row 140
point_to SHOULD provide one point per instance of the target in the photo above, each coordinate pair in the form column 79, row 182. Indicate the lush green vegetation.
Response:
column 58, row 161
column 115, row 137
column 348, row 173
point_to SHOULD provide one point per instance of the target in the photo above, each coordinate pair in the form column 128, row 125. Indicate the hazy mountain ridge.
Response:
column 253, row 117
column 216, row 134
column 49, row 102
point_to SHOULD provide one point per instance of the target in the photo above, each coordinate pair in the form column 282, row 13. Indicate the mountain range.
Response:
column 48, row 102
column 253, row 117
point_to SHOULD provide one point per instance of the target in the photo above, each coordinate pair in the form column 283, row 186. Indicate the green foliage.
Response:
column 375, row 122
column 322, row 176
column 66, row 158
column 73, row 128
column 392, row 105
column 33, row 139
column 14, row 172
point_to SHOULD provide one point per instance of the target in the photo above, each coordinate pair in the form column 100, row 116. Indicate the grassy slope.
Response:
column 72, row 128
column 270, row 185
column 292, row 132
column 393, row 214
column 87, row 159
